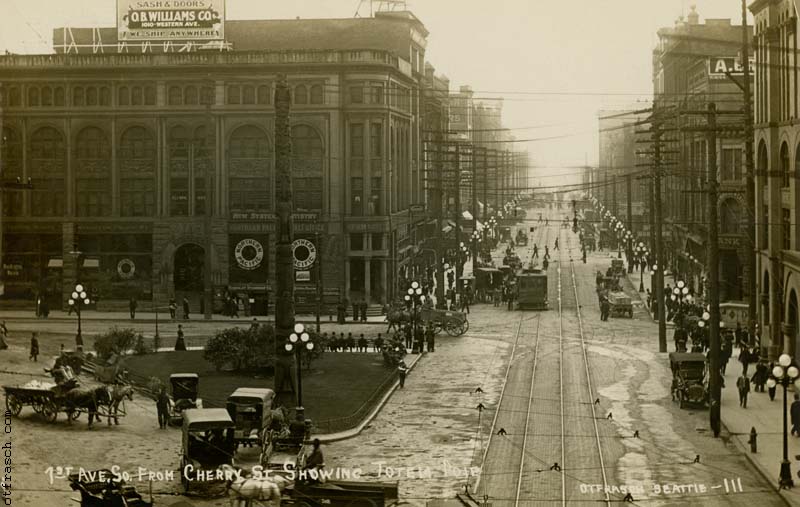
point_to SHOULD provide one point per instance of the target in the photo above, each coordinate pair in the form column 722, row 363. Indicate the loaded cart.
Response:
column 620, row 304
column 453, row 323
column 44, row 398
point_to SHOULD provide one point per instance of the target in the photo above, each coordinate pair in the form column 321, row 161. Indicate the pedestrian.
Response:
column 465, row 303
column 556, row 245
column 34, row 347
column 583, row 256
column 407, row 333
column 546, row 252
column 185, row 309
column 430, row 337
column 535, row 251
column 362, row 343
column 744, row 358
column 355, row 311
column 234, row 307
column 132, row 307
column 402, row 371
column 605, row 309
column 378, row 343
column 162, row 407
column 795, row 412
column 760, row 376
column 771, row 390
column 341, row 313
column 3, row 336
column 173, row 307
column 180, row 344
column 727, row 351
column 351, row 342
column 364, row 307
column 743, row 385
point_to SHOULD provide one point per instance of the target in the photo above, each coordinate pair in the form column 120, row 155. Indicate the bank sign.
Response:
column 720, row 66
column 170, row 20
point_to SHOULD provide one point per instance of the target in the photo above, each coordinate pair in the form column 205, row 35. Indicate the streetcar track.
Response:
column 527, row 415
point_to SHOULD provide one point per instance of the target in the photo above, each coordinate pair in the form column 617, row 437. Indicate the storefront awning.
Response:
column 91, row 263
column 55, row 263
column 467, row 215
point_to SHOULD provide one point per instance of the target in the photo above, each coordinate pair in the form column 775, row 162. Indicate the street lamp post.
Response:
column 78, row 299
column 414, row 298
column 299, row 341
column 784, row 374
column 641, row 252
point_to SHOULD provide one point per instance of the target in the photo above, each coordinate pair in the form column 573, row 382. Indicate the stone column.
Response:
column 788, row 331
column 367, row 262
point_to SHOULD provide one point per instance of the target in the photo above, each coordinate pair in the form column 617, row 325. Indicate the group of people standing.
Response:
column 359, row 311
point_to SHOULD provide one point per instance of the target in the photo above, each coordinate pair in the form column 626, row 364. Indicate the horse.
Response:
column 118, row 393
column 396, row 318
column 243, row 490
column 89, row 399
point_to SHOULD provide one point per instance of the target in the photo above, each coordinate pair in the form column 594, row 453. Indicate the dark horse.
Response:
column 86, row 399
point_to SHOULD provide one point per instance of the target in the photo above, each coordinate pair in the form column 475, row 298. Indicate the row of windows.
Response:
column 190, row 95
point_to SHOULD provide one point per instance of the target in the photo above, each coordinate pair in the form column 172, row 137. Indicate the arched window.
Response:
column 248, row 94
column 190, row 96
column 300, row 95
column 47, row 168
column 316, row 94
column 785, row 168
column 11, row 158
column 263, row 94
column 250, row 164
column 174, row 96
column 137, row 158
column 33, row 96
column 307, row 160
column 124, row 96
column 91, row 96
column 136, row 96
column 58, row 96
column 47, row 96
column 78, row 96
column 93, row 173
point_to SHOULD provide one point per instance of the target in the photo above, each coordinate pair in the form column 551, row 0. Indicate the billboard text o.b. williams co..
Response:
column 177, row 20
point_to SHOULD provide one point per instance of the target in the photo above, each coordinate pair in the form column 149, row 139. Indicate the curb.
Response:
column 758, row 467
column 344, row 435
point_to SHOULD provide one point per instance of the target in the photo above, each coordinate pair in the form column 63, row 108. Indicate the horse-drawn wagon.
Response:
column 185, row 387
column 251, row 411
column 621, row 304
column 453, row 323
column 48, row 400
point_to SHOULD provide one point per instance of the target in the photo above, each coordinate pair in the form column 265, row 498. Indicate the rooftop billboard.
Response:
column 170, row 20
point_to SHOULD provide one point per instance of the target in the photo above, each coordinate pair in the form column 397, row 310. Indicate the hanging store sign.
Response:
column 305, row 253
column 249, row 253
column 126, row 269
column 165, row 20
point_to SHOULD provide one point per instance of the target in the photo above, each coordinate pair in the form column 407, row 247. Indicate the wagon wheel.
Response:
column 13, row 404
column 453, row 328
column 49, row 411
column 37, row 407
column 465, row 326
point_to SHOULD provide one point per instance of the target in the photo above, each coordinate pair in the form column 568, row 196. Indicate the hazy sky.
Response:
column 554, row 61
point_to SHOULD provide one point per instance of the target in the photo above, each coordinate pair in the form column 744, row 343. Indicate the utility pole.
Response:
column 208, row 152
column 750, row 194
column 319, row 278
column 474, row 166
column 713, row 273
column 457, row 216
column 485, row 160
column 658, row 290
column 614, row 210
column 628, row 188
column 440, row 207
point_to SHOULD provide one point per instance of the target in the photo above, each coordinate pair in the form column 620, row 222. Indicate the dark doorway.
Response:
column 730, row 277
column 357, row 288
column 188, row 273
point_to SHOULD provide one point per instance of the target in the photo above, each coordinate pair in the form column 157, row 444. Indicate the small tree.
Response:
column 114, row 341
column 241, row 349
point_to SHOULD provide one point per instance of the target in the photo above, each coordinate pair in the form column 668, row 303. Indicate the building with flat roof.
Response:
column 146, row 155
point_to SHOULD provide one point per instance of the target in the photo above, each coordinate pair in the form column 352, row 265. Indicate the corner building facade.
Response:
column 142, row 158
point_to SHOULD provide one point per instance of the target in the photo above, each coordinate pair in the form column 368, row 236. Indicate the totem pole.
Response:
column 284, row 258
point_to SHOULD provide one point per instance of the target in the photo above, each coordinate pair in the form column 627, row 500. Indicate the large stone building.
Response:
column 689, row 66
column 143, row 158
column 777, row 148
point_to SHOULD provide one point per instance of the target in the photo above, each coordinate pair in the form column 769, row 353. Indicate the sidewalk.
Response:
column 767, row 418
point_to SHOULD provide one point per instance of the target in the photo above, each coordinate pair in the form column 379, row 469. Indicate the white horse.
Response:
column 243, row 491
column 118, row 393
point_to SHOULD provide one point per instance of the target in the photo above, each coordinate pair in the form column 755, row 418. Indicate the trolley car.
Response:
column 532, row 291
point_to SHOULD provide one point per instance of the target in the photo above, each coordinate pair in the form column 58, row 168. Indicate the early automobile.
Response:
column 208, row 443
column 617, row 267
column 185, row 388
column 251, row 411
column 688, row 378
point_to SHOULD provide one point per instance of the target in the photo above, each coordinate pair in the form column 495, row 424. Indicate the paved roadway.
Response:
column 549, row 416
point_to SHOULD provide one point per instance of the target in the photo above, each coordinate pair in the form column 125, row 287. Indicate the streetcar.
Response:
column 532, row 291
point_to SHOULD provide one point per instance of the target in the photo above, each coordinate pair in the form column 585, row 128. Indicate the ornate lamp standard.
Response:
column 299, row 341
column 78, row 299
column 414, row 300
column 784, row 374
column 642, row 252
column 619, row 228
